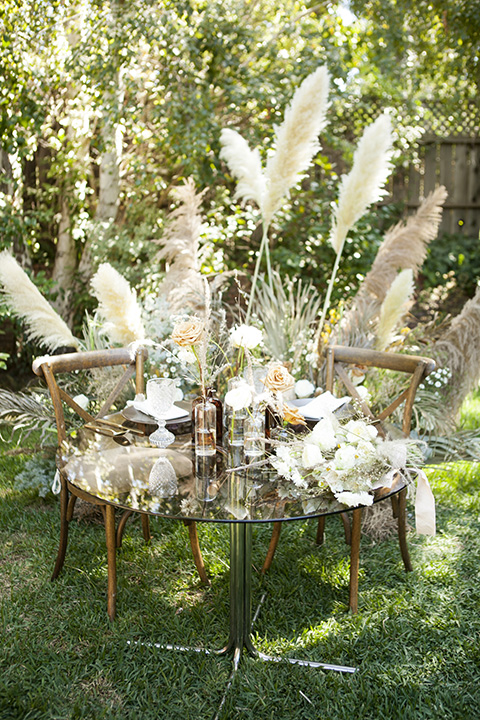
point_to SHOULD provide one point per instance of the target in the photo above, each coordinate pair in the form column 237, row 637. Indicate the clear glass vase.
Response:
column 254, row 434
column 205, row 424
column 234, row 419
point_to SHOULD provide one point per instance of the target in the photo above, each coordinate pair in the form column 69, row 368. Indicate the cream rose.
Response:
column 188, row 332
column 278, row 378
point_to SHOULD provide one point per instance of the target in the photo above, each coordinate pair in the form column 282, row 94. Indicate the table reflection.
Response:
column 173, row 482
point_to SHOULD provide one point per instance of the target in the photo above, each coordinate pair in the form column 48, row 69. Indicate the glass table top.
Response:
column 175, row 483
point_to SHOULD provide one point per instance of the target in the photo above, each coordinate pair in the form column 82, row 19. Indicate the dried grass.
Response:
column 183, row 284
column 459, row 350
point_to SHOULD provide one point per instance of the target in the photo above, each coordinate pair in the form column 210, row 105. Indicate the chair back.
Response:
column 50, row 366
column 339, row 358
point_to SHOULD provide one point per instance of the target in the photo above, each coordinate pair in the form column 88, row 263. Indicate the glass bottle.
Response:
column 234, row 419
column 205, row 427
column 254, row 434
column 210, row 395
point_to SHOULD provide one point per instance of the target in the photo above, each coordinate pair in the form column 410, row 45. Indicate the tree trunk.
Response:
column 109, row 181
column 109, row 186
column 65, row 261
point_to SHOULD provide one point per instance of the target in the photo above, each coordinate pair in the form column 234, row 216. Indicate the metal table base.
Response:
column 241, row 614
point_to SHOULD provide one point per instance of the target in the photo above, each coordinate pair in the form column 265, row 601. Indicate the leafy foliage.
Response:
column 37, row 474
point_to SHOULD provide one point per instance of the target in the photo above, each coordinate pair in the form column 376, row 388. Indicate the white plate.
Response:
column 175, row 412
column 316, row 408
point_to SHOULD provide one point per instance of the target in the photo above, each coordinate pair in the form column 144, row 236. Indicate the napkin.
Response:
column 317, row 407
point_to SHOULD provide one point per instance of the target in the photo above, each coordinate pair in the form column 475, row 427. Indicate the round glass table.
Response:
column 174, row 483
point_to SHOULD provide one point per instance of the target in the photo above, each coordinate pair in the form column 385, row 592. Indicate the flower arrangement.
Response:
column 345, row 458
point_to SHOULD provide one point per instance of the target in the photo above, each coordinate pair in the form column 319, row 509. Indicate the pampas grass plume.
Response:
column 458, row 348
column 296, row 141
column 397, row 303
column 297, row 138
column 117, row 304
column 183, row 285
column 405, row 245
column 246, row 165
column 43, row 324
column 364, row 183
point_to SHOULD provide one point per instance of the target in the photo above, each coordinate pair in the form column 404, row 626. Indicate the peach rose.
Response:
column 278, row 378
column 188, row 332
column 293, row 416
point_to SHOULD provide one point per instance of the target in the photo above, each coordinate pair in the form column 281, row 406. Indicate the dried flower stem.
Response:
column 263, row 247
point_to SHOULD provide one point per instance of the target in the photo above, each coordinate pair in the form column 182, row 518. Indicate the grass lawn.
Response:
column 415, row 639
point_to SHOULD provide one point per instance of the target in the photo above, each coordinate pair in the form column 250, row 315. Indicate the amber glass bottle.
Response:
column 210, row 395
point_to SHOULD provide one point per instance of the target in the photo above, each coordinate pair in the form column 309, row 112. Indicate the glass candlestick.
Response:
column 162, row 480
column 160, row 396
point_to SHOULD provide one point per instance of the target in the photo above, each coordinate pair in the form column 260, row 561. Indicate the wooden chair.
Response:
column 338, row 361
column 49, row 368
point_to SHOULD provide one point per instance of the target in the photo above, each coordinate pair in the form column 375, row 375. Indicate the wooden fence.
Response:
column 451, row 161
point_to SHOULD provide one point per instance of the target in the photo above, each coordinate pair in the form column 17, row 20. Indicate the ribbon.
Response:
column 424, row 506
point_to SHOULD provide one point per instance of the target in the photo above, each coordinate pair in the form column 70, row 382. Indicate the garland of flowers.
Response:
column 346, row 458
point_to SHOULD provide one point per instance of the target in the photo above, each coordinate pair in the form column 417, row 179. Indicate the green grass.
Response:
column 415, row 638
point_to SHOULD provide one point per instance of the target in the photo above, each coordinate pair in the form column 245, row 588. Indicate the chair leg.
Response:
column 277, row 527
column 111, row 560
column 355, row 558
column 71, row 507
column 197, row 553
column 121, row 527
column 146, row 528
column 402, row 529
column 319, row 538
column 62, row 548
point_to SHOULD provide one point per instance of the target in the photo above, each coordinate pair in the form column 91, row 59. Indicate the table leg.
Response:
column 240, row 585
column 241, row 610
column 240, row 604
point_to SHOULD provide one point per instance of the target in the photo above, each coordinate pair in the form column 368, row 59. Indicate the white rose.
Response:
column 323, row 434
column 363, row 392
column 311, row 456
column 354, row 499
column 333, row 480
column 186, row 356
column 357, row 430
column 304, row 388
column 346, row 457
column 366, row 452
column 246, row 336
column 240, row 397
